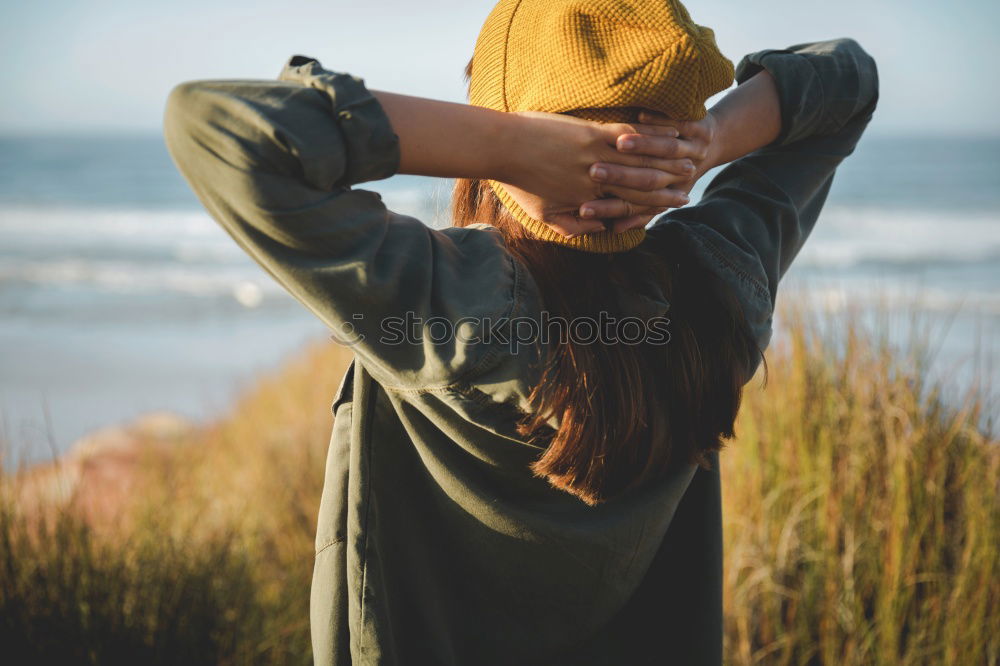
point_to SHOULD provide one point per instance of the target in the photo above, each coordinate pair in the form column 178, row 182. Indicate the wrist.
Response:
column 727, row 144
column 714, row 150
column 508, row 140
column 747, row 119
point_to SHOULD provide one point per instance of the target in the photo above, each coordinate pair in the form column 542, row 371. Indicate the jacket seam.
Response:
column 758, row 287
column 364, row 438
column 334, row 542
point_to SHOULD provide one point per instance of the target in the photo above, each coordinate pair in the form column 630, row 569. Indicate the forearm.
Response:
column 746, row 119
column 449, row 140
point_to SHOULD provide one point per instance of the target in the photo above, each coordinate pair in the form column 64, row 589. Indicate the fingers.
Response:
column 686, row 128
column 660, row 126
column 569, row 225
column 613, row 209
column 663, row 147
column 653, row 175
column 665, row 197
column 620, row 216
column 612, row 131
column 657, row 118
column 633, row 222
column 638, row 186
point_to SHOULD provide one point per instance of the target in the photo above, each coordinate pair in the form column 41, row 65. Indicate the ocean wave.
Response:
column 247, row 284
column 897, row 296
column 846, row 237
column 187, row 251
column 81, row 222
column 84, row 224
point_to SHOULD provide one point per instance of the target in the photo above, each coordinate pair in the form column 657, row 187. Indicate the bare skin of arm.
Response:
column 545, row 159
column 746, row 119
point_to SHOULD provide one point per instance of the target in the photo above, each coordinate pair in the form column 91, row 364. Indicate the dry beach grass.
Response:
column 862, row 522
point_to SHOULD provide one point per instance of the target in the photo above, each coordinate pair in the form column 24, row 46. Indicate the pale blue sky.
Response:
column 107, row 65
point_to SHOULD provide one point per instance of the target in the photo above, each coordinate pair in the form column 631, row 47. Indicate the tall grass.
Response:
column 862, row 522
column 861, row 525
column 70, row 598
column 209, row 563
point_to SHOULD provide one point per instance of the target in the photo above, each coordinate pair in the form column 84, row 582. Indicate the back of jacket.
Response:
column 435, row 544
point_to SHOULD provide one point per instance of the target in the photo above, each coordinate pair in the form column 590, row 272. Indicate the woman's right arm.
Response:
column 765, row 204
column 796, row 114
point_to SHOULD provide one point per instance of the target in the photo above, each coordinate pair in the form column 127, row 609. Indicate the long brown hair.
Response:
column 626, row 412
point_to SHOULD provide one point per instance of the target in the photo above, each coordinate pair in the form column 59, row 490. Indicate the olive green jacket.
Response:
column 435, row 544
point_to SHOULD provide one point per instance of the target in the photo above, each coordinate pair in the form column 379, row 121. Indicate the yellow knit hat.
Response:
column 599, row 60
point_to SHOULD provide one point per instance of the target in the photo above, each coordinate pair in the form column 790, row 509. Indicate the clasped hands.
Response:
column 581, row 177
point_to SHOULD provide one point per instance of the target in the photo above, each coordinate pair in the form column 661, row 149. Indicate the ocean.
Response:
column 120, row 295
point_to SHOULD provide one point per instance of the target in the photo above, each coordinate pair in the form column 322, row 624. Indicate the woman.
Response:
column 506, row 484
